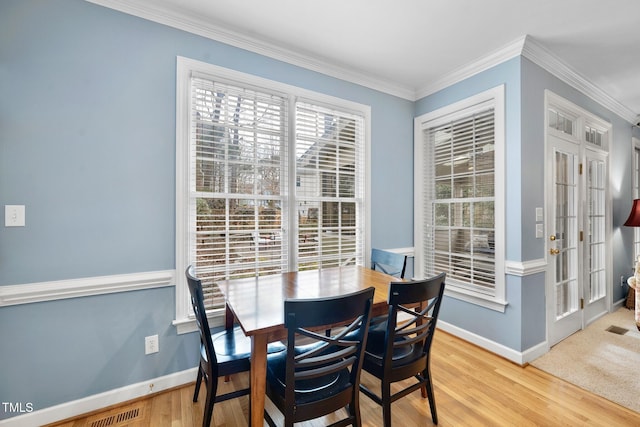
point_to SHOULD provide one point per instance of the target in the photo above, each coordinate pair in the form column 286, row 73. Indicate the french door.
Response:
column 576, row 240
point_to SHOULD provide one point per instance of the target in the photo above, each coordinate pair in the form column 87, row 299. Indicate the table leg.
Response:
column 228, row 317
column 258, row 378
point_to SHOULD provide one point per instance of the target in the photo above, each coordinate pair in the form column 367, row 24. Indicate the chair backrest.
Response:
column 197, row 302
column 391, row 263
column 318, row 361
column 410, row 336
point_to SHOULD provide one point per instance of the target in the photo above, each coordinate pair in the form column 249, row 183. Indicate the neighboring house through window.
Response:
column 460, row 197
column 270, row 178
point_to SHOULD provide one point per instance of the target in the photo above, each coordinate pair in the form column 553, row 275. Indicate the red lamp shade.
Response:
column 634, row 216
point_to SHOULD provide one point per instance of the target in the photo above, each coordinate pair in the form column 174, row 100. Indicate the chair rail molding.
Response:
column 525, row 268
column 74, row 288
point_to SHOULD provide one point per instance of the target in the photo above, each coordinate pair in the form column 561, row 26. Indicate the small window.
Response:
column 594, row 136
column 561, row 122
column 461, row 202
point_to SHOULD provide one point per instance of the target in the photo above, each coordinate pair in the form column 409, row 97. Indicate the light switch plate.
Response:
column 14, row 216
column 539, row 215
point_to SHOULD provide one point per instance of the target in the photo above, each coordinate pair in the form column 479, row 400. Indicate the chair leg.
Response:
column 208, row 408
column 432, row 399
column 386, row 404
column 354, row 409
column 212, row 390
column 198, row 382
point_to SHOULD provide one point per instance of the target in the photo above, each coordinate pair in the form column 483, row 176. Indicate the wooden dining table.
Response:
column 257, row 305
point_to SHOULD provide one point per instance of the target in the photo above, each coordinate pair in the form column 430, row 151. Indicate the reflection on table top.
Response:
column 258, row 302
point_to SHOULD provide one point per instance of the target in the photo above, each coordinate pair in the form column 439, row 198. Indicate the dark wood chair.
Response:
column 318, row 374
column 221, row 354
column 399, row 347
column 391, row 263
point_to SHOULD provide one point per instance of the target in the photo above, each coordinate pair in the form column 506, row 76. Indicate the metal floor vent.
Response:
column 117, row 419
column 617, row 330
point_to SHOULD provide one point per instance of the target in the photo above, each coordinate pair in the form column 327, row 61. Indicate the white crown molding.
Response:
column 96, row 402
column 74, row 288
column 527, row 47
column 148, row 10
column 524, row 46
column 499, row 56
column 542, row 57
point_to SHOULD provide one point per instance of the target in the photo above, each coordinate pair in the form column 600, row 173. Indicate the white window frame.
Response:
column 185, row 68
column 495, row 96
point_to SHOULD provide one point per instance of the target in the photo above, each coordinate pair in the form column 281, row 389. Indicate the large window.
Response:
column 460, row 213
column 270, row 178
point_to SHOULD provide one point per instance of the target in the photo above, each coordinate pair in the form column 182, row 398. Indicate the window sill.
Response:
column 188, row 325
column 475, row 298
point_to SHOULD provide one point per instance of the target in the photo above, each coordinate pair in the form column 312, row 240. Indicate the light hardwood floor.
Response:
column 472, row 388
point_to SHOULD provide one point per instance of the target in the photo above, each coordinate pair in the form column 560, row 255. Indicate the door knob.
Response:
column 554, row 251
column 552, row 237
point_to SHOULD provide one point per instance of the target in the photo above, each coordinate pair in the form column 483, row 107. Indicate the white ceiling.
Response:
column 407, row 45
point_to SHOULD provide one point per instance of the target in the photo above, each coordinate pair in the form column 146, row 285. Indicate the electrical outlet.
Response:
column 151, row 344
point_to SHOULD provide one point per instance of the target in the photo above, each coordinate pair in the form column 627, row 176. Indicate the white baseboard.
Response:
column 102, row 400
column 520, row 358
column 155, row 385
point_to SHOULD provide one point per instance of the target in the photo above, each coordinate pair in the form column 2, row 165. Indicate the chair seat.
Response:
column 376, row 344
column 233, row 345
column 309, row 389
column 236, row 345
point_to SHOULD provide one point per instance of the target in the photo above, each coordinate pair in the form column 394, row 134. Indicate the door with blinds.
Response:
column 578, row 219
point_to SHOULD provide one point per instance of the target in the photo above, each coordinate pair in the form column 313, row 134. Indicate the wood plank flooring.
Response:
column 472, row 388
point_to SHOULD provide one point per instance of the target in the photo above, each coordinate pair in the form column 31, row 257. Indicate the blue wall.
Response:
column 523, row 325
column 504, row 328
column 537, row 80
column 87, row 144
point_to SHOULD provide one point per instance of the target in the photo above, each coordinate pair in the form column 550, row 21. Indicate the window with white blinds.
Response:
column 463, row 200
column 329, row 187
column 269, row 179
column 461, row 197
column 239, row 183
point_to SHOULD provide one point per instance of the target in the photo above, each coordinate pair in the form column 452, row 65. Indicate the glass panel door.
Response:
column 564, row 251
column 595, row 264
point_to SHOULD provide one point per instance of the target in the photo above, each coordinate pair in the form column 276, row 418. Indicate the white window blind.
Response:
column 239, row 185
column 461, row 199
column 329, row 186
column 269, row 178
